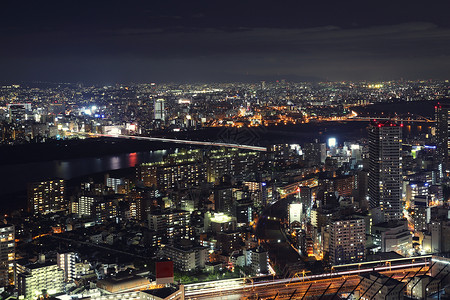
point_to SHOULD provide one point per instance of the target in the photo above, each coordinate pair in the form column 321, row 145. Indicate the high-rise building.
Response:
column 347, row 241
column 314, row 153
column 114, row 183
column 223, row 199
column 7, row 254
column 47, row 196
column 66, row 262
column 85, row 206
column 385, row 168
column 442, row 118
column 181, row 170
column 170, row 223
column 159, row 110
column 232, row 162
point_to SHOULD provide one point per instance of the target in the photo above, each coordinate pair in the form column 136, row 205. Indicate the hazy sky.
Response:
column 155, row 41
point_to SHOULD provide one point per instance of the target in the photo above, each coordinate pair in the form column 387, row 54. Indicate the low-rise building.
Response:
column 377, row 286
column 392, row 236
column 42, row 276
column 422, row 286
column 186, row 258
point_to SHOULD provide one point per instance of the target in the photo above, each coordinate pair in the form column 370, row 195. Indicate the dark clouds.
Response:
column 185, row 41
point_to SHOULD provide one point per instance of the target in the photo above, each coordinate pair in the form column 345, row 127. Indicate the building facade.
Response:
column 47, row 196
column 347, row 241
column 385, row 168
column 7, row 254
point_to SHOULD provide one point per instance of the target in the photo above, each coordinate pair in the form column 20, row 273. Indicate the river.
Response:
column 16, row 176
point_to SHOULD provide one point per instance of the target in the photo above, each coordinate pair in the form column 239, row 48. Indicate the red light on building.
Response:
column 164, row 272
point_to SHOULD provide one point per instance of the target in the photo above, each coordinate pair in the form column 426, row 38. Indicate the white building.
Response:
column 38, row 277
column 295, row 212
column 385, row 168
column 393, row 236
column 85, row 206
column 187, row 259
column 170, row 223
column 258, row 260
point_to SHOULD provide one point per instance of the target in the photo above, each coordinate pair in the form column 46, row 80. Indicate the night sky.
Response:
column 186, row 41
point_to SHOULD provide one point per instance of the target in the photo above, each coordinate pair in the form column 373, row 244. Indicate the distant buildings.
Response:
column 385, row 169
column 159, row 109
column 18, row 112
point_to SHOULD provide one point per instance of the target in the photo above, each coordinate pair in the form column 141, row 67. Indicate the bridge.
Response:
column 398, row 118
column 175, row 141
column 407, row 120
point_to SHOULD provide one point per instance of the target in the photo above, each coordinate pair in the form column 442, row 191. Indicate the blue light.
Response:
column 263, row 184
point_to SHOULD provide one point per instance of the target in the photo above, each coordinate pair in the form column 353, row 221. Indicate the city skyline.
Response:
column 224, row 149
column 148, row 42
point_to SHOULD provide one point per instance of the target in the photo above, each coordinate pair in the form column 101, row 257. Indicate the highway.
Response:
column 176, row 141
column 315, row 284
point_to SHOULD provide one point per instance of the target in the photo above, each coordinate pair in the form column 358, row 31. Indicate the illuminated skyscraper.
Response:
column 442, row 112
column 385, row 168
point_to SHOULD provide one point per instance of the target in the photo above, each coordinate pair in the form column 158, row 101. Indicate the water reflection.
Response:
column 15, row 177
column 114, row 163
column 132, row 159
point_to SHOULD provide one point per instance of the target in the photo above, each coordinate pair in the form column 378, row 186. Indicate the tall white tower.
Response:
column 385, row 168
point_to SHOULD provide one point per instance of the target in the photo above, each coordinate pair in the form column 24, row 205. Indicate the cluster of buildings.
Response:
column 40, row 113
column 199, row 208
column 204, row 210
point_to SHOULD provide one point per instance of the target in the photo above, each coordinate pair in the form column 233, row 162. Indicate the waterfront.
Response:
column 13, row 187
